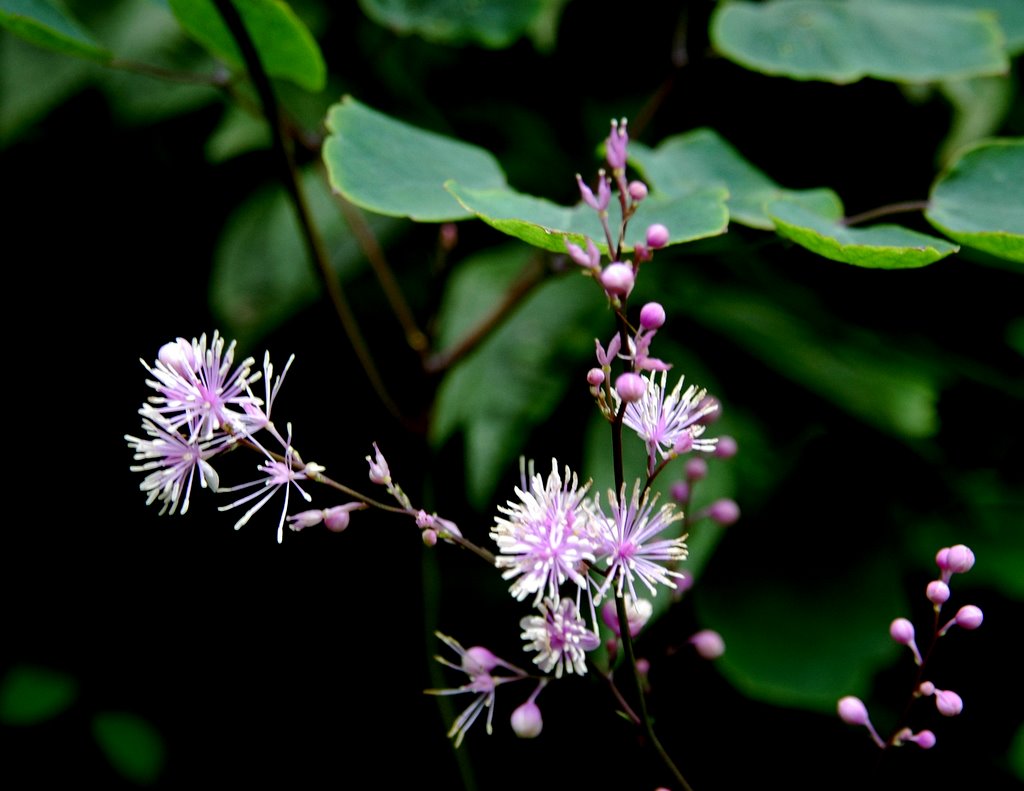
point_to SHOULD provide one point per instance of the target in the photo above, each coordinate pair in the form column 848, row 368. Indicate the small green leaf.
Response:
column 846, row 41
column 877, row 247
column 261, row 271
column 31, row 694
column 547, row 225
column 132, row 745
column 389, row 167
column 46, row 24
column 286, row 47
column 492, row 23
column 701, row 159
column 979, row 200
column 514, row 380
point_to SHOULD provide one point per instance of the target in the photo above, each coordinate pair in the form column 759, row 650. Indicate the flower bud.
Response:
column 960, row 559
column 429, row 537
column 969, row 617
column 595, row 377
column 526, row 720
column 937, row 592
column 948, row 702
column 657, row 236
column 652, row 316
column 709, row 643
column 478, row 660
column 618, row 279
column 724, row 511
column 178, row 356
column 852, row 710
column 902, row 631
column 680, row 491
column 726, row 447
column 630, row 387
column 696, row 470
column 301, row 521
column 637, row 190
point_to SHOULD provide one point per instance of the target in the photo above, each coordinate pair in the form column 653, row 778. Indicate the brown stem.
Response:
column 885, row 211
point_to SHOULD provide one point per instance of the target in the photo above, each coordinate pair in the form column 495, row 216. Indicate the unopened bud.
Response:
column 618, row 279
column 657, row 235
column 527, row 721
column 937, row 592
column 724, row 511
column 680, row 491
column 960, row 559
column 709, row 643
column 852, row 710
column 696, row 470
column 478, row 660
column 637, row 190
column 429, row 537
column 652, row 316
column 969, row 617
column 726, row 447
column 595, row 377
column 179, row 356
column 902, row 631
column 630, row 387
column 948, row 702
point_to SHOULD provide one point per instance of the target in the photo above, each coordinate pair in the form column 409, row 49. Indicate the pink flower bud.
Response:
column 852, row 711
column 926, row 688
column 652, row 316
column 960, row 559
column 937, row 592
column 696, row 470
column 942, row 558
column 680, row 491
column 902, row 631
column 726, row 447
column 683, row 443
column 336, row 518
column 179, row 356
column 709, row 643
column 948, row 702
column 630, row 387
column 429, row 537
column 595, row 377
column 526, row 721
column 724, row 511
column 448, row 235
column 969, row 617
column 618, row 279
column 380, row 473
column 479, row 661
column 306, row 519
column 657, row 235
column 925, row 739
column 638, row 614
column 643, row 666
column 637, row 190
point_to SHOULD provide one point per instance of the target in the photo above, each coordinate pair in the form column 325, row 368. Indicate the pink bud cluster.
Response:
column 958, row 559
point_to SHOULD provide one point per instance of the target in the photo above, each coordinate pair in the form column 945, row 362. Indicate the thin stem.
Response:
column 626, row 708
column 531, row 275
column 290, row 178
column 218, row 79
column 885, row 211
column 648, row 726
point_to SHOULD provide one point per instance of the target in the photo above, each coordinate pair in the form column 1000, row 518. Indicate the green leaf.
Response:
column 29, row 694
column 701, row 158
column 979, row 200
column 980, row 106
column 840, row 623
column 877, row 247
column 492, row 23
column 1008, row 14
column 846, row 41
column 286, row 48
column 46, row 24
column 261, row 271
column 547, row 225
column 389, row 167
column 872, row 382
column 132, row 745
column 514, row 380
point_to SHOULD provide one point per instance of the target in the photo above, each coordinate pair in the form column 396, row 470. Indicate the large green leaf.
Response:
column 701, row 158
column 547, row 225
column 515, row 379
column 493, row 23
column 261, row 272
column 30, row 694
column 979, row 200
column 132, row 745
column 809, row 641
column 286, row 47
column 46, row 24
column 845, row 41
column 389, row 167
column 877, row 247
column 1008, row 14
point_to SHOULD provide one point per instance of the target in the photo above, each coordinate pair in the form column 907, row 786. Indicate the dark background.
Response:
column 303, row 665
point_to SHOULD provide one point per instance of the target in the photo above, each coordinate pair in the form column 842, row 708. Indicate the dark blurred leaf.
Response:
column 389, row 167
column 980, row 105
column 132, row 745
column 286, row 47
column 492, row 23
column 46, row 24
column 979, row 200
column 31, row 694
column 516, row 378
column 847, row 41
